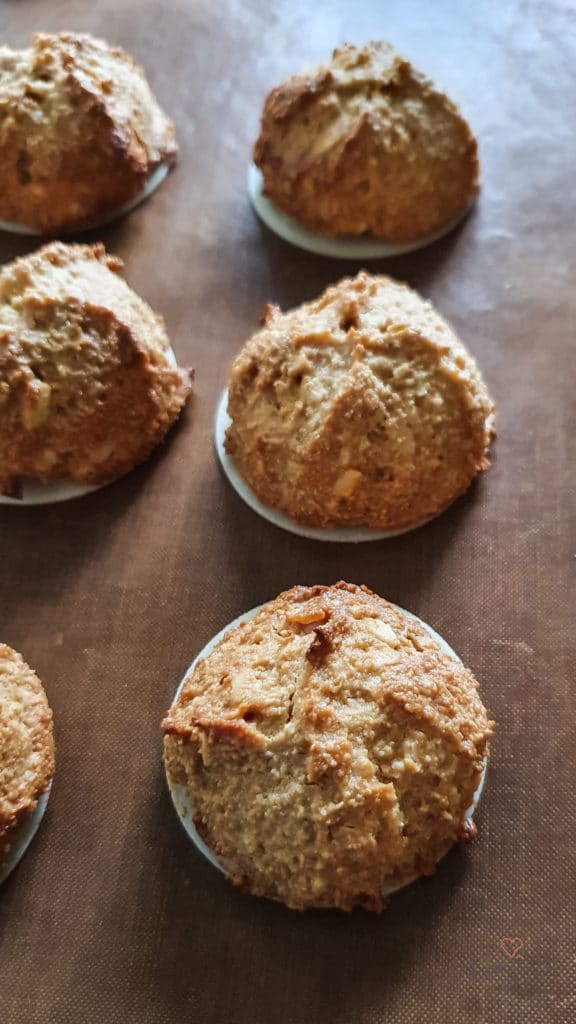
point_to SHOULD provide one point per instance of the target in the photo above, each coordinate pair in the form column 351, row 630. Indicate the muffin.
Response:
column 330, row 749
column 366, row 144
column 80, row 132
column 361, row 408
column 88, row 381
column 26, row 743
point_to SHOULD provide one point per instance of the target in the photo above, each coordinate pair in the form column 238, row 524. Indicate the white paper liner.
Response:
column 36, row 493
column 155, row 179
column 23, row 835
column 339, row 535
column 352, row 248
column 181, row 798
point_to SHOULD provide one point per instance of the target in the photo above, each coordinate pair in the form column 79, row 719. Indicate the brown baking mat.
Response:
column 112, row 916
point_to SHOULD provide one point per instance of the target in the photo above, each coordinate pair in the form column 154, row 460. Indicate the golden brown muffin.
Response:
column 26, row 743
column 360, row 408
column 330, row 749
column 80, row 132
column 88, row 381
column 366, row 144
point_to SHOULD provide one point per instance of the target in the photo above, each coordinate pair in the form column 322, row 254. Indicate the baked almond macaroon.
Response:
column 331, row 750
column 88, row 381
column 81, row 133
column 366, row 145
column 26, row 753
column 361, row 408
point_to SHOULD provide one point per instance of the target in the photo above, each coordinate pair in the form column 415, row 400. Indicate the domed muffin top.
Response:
column 329, row 746
column 366, row 144
column 88, row 381
column 26, row 742
column 80, row 132
column 359, row 408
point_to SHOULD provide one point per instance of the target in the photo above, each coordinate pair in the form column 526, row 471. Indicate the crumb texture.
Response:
column 330, row 749
column 26, row 742
column 88, row 381
column 366, row 144
column 359, row 408
column 80, row 132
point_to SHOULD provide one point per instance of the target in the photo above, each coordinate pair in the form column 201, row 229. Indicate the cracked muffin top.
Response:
column 88, row 381
column 26, row 743
column 361, row 408
column 80, row 132
column 329, row 747
column 366, row 144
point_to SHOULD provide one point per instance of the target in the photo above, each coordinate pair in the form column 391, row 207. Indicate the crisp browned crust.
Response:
column 80, row 132
column 366, row 144
column 360, row 408
column 26, row 743
column 88, row 381
column 329, row 748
